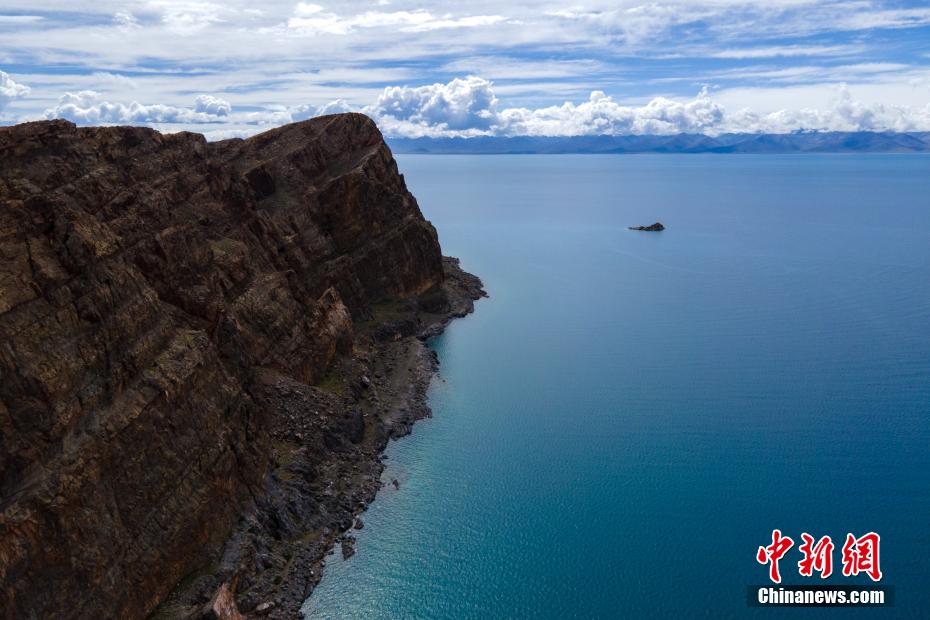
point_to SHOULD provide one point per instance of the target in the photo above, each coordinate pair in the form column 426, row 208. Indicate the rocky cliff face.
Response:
column 149, row 287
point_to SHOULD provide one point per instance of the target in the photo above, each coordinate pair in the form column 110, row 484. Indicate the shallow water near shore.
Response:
column 630, row 414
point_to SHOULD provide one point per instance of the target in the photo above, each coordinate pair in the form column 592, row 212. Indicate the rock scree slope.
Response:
column 204, row 347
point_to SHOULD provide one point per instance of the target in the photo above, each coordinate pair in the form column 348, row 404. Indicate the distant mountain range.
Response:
column 800, row 142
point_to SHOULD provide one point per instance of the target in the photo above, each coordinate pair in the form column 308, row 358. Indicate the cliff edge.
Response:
column 203, row 349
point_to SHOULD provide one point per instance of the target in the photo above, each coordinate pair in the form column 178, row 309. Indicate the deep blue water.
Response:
column 627, row 418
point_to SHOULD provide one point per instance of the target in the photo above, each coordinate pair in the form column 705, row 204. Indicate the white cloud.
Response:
column 20, row 19
column 314, row 19
column 86, row 107
column 114, row 80
column 305, row 111
column 641, row 23
column 125, row 21
column 208, row 104
column 214, row 135
column 843, row 113
column 306, row 9
column 634, row 24
column 601, row 115
column 786, row 51
column 812, row 73
column 186, row 18
column 539, row 53
column 463, row 103
column 469, row 107
column 10, row 90
column 889, row 18
column 505, row 67
column 447, row 23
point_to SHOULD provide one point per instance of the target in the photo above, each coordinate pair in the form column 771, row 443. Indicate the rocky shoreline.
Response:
column 316, row 494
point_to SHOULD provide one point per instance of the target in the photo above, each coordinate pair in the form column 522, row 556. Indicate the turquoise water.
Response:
column 627, row 418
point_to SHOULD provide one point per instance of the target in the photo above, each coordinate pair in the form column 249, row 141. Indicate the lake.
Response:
column 626, row 419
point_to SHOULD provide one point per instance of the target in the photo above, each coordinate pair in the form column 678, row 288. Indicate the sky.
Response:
column 504, row 68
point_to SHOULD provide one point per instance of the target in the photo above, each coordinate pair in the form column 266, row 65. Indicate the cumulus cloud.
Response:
column 845, row 113
column 469, row 107
column 86, row 107
column 214, row 106
column 305, row 111
column 10, row 90
column 462, row 104
column 601, row 115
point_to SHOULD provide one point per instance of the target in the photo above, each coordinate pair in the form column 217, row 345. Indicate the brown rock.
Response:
column 222, row 606
column 348, row 548
column 651, row 228
column 146, row 281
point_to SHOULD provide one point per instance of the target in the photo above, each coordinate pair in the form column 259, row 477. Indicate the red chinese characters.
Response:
column 860, row 555
column 817, row 557
column 773, row 553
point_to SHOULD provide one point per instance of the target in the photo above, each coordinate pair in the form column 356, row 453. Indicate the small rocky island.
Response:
column 653, row 228
column 204, row 349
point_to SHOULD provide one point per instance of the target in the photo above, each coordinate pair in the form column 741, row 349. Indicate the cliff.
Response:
column 182, row 324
